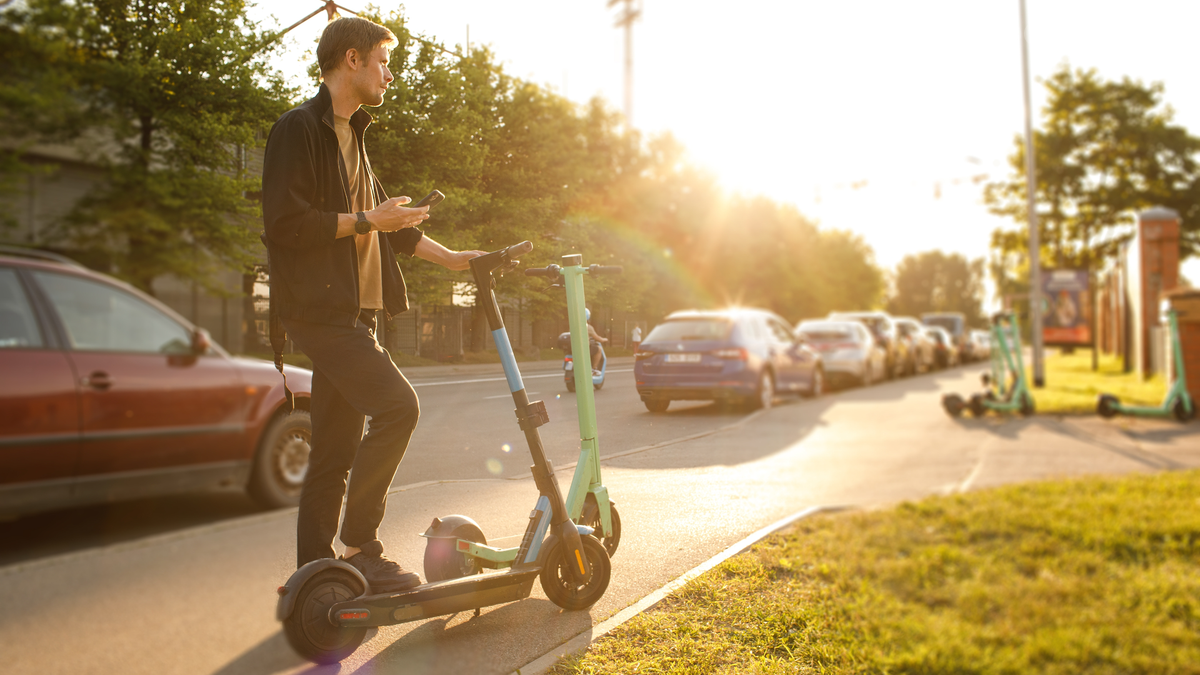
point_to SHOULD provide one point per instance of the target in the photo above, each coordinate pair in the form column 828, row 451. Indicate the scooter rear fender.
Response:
column 291, row 589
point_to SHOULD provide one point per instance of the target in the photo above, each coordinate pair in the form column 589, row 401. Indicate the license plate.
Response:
column 683, row 358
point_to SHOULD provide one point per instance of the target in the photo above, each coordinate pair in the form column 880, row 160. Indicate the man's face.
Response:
column 372, row 78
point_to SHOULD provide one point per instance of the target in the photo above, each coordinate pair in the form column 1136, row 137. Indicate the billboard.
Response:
column 1066, row 308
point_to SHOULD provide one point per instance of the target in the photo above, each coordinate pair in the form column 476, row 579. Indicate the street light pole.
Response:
column 1035, row 262
column 628, row 16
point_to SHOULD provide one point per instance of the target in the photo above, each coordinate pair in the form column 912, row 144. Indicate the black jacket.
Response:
column 314, row 275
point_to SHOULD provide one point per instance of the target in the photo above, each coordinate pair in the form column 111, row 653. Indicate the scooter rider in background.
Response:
column 332, row 236
column 593, row 335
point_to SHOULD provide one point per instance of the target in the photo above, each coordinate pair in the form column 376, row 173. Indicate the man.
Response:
column 333, row 236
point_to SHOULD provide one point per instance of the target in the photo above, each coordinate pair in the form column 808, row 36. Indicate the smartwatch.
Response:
column 363, row 226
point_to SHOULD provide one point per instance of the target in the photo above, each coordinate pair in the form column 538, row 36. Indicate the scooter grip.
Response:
column 517, row 250
column 541, row 272
column 605, row 269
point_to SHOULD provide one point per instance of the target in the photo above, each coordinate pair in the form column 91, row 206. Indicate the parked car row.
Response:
column 748, row 356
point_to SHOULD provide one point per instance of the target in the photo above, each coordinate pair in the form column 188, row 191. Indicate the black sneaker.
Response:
column 384, row 575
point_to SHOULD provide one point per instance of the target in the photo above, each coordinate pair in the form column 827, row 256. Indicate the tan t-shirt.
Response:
column 362, row 198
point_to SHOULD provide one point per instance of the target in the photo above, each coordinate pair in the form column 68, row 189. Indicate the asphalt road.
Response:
column 197, row 597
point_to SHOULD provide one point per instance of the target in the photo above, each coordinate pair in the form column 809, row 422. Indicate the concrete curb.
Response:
column 579, row 643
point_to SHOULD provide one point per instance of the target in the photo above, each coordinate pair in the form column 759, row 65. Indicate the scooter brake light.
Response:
column 732, row 354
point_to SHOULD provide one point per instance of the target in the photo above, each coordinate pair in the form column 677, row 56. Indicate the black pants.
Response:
column 353, row 377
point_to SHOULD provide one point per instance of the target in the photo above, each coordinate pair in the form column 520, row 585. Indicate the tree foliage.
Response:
column 934, row 281
column 516, row 160
column 1105, row 150
column 166, row 95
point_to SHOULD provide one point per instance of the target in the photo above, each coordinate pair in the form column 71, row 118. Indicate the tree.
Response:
column 1106, row 150
column 166, row 95
column 936, row 282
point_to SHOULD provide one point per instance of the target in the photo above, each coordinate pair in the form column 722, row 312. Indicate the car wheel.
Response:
column 766, row 391
column 282, row 461
column 818, row 383
column 657, row 405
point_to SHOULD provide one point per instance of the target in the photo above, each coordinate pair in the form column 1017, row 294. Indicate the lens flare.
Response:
column 506, row 447
column 494, row 467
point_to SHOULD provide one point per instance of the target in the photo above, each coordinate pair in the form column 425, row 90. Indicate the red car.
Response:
column 106, row 395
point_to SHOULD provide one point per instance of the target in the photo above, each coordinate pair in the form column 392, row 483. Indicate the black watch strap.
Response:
column 363, row 226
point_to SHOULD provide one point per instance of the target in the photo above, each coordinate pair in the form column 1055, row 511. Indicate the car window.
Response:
column 18, row 327
column 831, row 332
column 690, row 329
column 780, row 332
column 99, row 317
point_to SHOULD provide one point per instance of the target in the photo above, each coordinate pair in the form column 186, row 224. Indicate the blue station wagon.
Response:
column 731, row 355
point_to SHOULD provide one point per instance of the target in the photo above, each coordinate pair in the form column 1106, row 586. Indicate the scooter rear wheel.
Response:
column 558, row 584
column 591, row 518
column 1181, row 413
column 1106, row 405
column 1027, row 407
column 975, row 403
column 953, row 404
column 309, row 630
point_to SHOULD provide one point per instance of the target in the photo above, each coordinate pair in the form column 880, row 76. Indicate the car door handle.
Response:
column 98, row 380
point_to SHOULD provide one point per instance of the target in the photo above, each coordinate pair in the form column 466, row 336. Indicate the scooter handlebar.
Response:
column 550, row 271
column 605, row 269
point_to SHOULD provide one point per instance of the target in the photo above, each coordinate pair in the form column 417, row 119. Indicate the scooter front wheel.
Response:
column 571, row 384
column 557, row 580
column 309, row 630
column 591, row 518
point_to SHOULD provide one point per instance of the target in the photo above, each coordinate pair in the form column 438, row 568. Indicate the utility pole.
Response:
column 628, row 15
column 1035, row 262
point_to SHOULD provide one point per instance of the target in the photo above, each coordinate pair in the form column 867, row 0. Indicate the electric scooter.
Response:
column 1006, row 389
column 587, row 500
column 594, row 347
column 327, row 605
column 1178, row 401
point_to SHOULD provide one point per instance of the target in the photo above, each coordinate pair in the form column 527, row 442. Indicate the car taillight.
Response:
column 732, row 354
column 642, row 356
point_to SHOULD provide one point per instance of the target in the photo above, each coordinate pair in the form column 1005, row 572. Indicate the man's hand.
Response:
column 392, row 215
column 428, row 249
column 461, row 260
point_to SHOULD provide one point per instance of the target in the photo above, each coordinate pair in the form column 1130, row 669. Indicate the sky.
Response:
column 869, row 116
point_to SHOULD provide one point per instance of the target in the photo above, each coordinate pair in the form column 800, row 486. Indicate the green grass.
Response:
column 1079, row 576
column 1072, row 387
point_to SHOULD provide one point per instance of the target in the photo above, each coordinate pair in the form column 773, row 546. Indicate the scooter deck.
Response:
column 436, row 599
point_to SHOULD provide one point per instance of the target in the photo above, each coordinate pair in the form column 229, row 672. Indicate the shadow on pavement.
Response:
column 1012, row 427
column 58, row 532
column 270, row 656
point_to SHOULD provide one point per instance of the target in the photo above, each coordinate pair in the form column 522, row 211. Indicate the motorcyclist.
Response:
column 595, row 337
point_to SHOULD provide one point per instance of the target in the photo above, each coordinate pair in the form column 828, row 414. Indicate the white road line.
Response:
column 501, row 379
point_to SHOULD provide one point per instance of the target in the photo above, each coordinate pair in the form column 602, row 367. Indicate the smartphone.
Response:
column 431, row 200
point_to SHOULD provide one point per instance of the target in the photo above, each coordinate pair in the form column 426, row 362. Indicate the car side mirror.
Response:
column 201, row 342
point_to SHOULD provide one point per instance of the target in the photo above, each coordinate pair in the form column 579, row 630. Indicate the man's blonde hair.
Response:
column 344, row 34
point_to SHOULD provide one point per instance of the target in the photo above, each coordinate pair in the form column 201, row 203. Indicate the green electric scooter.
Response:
column 587, row 500
column 327, row 605
column 1178, row 401
column 1006, row 389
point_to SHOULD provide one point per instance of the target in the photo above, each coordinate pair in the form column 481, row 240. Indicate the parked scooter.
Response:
column 1006, row 389
column 1178, row 401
